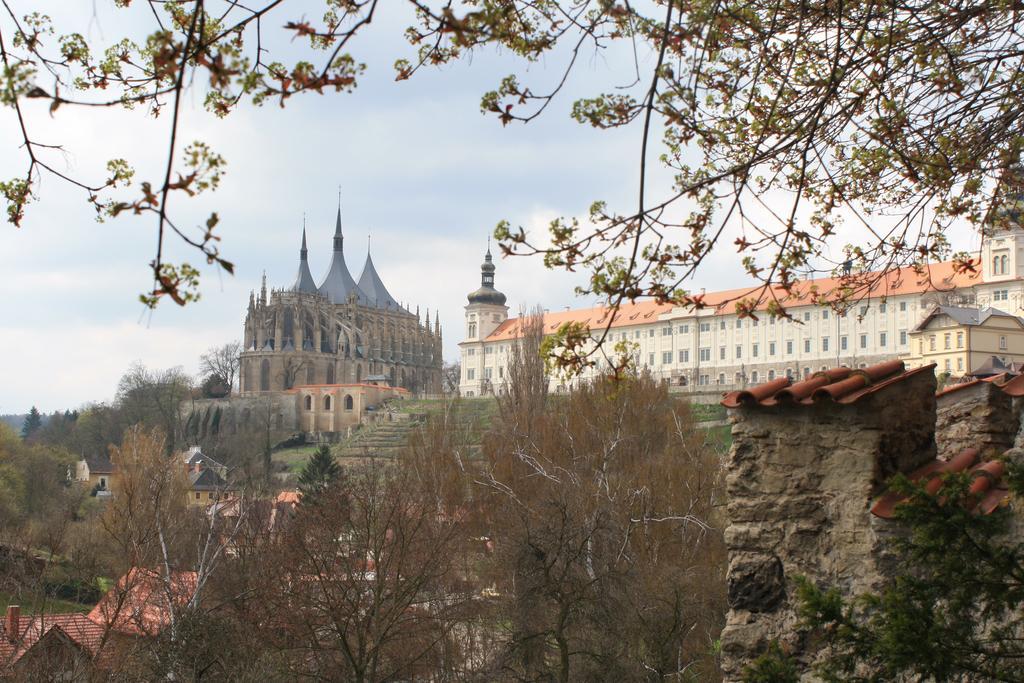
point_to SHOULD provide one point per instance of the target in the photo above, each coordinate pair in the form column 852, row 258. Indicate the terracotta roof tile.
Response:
column 898, row 282
column 1012, row 385
column 987, row 490
column 839, row 385
column 78, row 628
column 138, row 604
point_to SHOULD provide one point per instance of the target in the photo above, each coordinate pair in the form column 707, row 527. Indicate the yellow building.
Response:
column 962, row 340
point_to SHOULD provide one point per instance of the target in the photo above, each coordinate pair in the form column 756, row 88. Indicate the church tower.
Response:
column 484, row 313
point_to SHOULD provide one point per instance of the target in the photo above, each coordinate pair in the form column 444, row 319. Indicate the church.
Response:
column 340, row 331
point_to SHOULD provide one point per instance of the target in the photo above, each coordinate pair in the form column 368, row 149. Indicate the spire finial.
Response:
column 303, row 251
column 367, row 243
column 338, row 237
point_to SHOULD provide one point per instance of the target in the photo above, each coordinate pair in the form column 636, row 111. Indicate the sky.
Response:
column 422, row 174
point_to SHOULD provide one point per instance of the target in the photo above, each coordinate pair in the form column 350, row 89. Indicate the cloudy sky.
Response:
column 421, row 170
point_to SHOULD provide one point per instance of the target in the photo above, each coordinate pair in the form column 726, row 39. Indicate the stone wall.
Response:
column 800, row 483
column 978, row 415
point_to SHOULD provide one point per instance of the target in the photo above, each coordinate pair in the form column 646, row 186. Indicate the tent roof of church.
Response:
column 897, row 282
column 374, row 289
column 304, row 279
column 338, row 283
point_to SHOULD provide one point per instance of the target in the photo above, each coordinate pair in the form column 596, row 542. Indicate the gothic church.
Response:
column 338, row 332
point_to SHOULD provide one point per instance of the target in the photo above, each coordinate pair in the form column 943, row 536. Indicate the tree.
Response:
column 222, row 362
column 833, row 111
column 451, row 376
column 31, row 425
column 953, row 612
column 156, row 398
column 318, row 474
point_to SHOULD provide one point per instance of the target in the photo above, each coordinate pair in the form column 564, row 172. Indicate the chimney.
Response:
column 12, row 625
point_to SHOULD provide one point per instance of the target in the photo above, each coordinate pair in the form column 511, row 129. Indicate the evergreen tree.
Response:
column 954, row 613
column 33, row 421
column 319, row 473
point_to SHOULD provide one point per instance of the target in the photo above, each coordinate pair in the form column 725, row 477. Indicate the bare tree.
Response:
column 291, row 367
column 222, row 362
column 157, row 398
column 451, row 376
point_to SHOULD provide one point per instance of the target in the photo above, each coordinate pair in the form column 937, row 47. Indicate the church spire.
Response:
column 339, row 239
column 304, row 279
column 487, row 294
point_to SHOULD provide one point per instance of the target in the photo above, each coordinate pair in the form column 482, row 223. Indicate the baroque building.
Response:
column 340, row 332
column 714, row 348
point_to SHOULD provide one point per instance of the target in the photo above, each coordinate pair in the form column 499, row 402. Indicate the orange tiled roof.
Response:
column 898, row 282
column 1012, row 385
column 987, row 491
column 840, row 385
column 78, row 628
column 138, row 604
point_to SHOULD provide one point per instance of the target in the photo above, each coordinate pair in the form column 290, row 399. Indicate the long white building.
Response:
column 713, row 346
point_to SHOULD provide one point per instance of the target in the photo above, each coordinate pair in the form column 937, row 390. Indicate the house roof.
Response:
column 99, row 465
column 139, row 603
column 838, row 385
column 195, row 455
column 988, row 489
column 898, row 282
column 206, row 479
column 964, row 315
column 996, row 366
column 77, row 628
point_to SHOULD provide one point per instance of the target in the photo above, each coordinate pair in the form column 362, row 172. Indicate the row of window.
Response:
column 329, row 402
column 755, row 377
column 755, row 349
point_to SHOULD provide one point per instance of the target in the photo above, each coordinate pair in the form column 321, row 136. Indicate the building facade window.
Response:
column 739, row 351
column 721, row 353
column 807, row 345
column 903, row 337
column 959, row 340
column 721, row 378
column 931, row 343
column 771, row 348
column 753, row 351
column 666, row 358
column 1002, row 343
column 705, row 327
column 684, row 356
column 705, row 355
column 471, row 331
column 947, row 341
column 863, row 341
column 789, row 347
column 842, row 343
column 883, row 338
column 824, row 343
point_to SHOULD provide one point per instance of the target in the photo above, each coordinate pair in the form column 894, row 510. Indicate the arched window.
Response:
column 753, row 377
column 1002, row 265
column 265, row 375
column 995, row 265
column 348, row 403
column 247, row 377
column 309, row 403
column 327, row 402
column 330, row 373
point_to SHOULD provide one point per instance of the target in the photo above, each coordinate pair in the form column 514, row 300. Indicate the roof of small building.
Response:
column 897, row 282
column 206, row 479
column 995, row 366
column 138, row 603
column 987, row 490
column 838, row 385
column 100, row 465
column 78, row 628
column 965, row 315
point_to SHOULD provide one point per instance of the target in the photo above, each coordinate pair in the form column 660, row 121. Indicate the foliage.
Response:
column 318, row 475
column 834, row 111
column 773, row 666
column 955, row 610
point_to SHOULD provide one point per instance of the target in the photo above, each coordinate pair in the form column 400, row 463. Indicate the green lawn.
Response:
column 703, row 412
column 34, row 606
column 294, row 458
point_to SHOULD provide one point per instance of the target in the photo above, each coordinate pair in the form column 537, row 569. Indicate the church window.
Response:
column 309, row 403
column 265, row 375
column 327, row 402
column 472, row 330
column 1002, row 264
column 348, row 403
column 330, row 374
